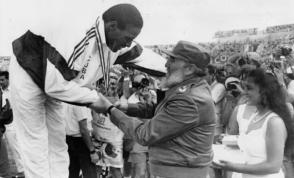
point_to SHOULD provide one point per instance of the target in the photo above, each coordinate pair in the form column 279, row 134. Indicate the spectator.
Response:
column 82, row 154
column 10, row 133
column 218, row 92
column 269, row 132
column 289, row 81
column 138, row 154
column 4, row 162
column 5, row 118
column 108, row 138
column 232, row 98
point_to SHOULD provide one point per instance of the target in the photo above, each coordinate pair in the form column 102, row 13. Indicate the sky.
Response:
column 165, row 21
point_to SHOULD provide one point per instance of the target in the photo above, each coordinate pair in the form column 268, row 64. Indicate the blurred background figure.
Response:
column 16, row 164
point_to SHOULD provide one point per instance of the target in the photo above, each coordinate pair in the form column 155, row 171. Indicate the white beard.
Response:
column 172, row 79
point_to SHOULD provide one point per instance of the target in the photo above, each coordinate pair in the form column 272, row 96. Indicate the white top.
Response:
column 5, row 95
column 90, row 58
column 133, row 98
column 75, row 114
column 89, row 62
column 104, row 130
column 254, row 146
column 218, row 92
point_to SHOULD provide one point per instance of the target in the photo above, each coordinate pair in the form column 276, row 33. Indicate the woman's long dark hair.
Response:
column 273, row 96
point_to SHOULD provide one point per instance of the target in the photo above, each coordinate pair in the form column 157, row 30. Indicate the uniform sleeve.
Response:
column 179, row 115
column 68, row 91
column 142, row 110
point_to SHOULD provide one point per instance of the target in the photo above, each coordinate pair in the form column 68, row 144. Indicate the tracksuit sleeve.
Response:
column 49, row 70
column 68, row 91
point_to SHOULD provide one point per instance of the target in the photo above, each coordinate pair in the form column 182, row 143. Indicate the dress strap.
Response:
column 240, row 112
column 265, row 123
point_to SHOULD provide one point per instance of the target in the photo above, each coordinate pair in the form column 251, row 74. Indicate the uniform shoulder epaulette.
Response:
column 183, row 89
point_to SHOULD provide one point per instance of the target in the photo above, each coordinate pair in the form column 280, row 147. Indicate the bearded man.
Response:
column 180, row 134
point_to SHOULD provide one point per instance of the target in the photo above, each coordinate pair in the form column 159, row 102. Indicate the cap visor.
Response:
column 170, row 53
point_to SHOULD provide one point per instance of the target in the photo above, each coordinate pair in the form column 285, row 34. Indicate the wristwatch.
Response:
column 109, row 109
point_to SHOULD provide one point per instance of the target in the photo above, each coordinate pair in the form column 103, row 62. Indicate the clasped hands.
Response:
column 103, row 103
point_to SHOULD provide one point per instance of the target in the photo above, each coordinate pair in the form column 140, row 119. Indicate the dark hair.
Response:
column 235, row 68
column 199, row 73
column 218, row 72
column 245, row 70
column 256, row 63
column 220, row 75
column 142, row 84
column 124, row 14
column 4, row 73
column 274, row 97
column 211, row 69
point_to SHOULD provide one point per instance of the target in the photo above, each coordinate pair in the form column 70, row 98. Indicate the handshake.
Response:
column 103, row 104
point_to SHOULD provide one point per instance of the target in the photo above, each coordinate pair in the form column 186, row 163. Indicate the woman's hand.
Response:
column 221, row 164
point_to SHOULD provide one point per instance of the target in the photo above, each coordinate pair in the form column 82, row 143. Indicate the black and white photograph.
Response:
column 146, row 89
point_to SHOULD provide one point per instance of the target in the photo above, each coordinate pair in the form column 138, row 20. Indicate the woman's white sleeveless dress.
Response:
column 253, row 145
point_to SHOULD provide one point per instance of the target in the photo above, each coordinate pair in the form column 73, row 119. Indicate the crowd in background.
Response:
column 280, row 28
column 223, row 51
column 221, row 34
column 254, row 31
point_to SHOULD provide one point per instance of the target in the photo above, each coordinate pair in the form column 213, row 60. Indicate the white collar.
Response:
column 213, row 83
column 101, row 30
column 7, row 89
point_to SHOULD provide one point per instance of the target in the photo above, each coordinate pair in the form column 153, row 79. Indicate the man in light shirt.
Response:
column 10, row 132
column 82, row 154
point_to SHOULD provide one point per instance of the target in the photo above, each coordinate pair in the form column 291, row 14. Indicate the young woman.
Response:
column 270, row 130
